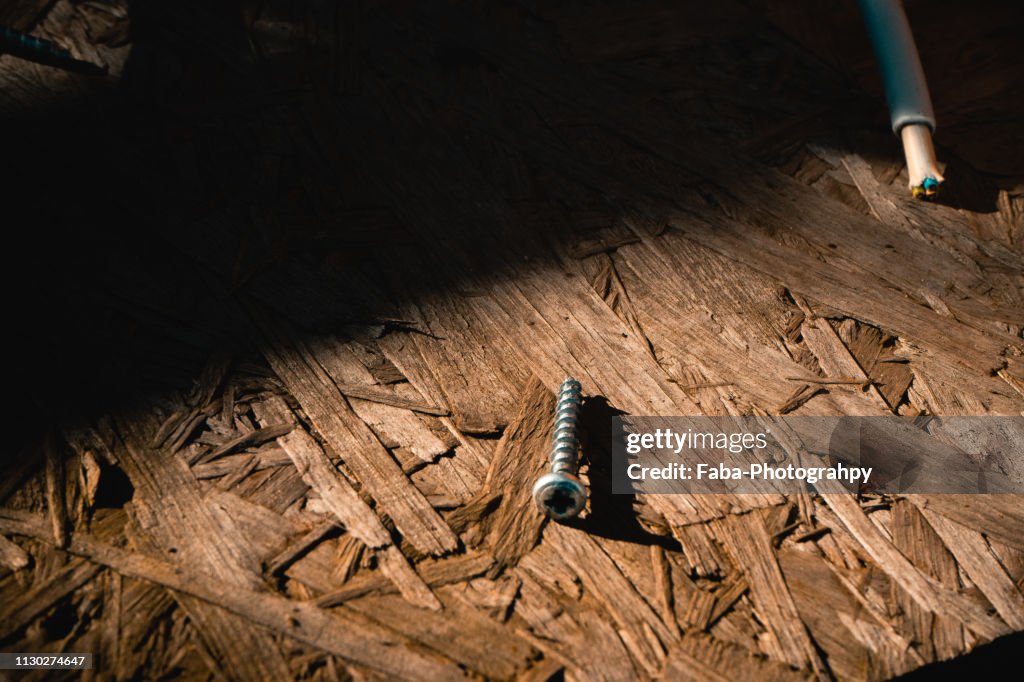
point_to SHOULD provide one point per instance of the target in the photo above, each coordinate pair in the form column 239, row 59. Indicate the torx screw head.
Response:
column 559, row 495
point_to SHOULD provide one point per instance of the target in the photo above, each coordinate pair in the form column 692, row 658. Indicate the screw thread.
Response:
column 564, row 443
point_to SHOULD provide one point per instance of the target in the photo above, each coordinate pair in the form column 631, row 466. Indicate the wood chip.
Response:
column 346, row 634
column 351, row 438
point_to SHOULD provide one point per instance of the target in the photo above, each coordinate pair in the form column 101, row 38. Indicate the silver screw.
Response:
column 560, row 494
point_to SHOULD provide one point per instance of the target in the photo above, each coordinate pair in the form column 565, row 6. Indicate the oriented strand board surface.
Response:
column 300, row 280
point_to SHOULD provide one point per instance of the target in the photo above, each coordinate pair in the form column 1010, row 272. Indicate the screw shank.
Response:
column 565, row 443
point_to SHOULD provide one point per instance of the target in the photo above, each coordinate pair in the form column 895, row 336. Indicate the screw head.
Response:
column 559, row 495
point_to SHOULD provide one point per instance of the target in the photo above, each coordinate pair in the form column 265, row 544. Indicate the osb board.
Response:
column 336, row 260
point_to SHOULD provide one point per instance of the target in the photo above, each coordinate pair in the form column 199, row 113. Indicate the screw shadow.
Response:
column 611, row 515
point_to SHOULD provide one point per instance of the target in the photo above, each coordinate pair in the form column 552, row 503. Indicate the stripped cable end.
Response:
column 922, row 167
column 927, row 189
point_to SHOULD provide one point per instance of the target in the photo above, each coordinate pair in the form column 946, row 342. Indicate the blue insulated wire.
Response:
column 42, row 51
column 11, row 39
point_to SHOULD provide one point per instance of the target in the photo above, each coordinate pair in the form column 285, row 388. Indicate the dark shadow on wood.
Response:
column 611, row 515
column 992, row 661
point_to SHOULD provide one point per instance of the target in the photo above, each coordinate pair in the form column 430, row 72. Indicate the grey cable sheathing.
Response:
column 906, row 89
